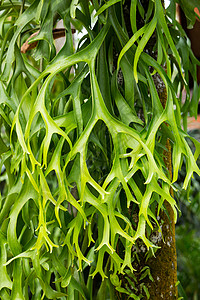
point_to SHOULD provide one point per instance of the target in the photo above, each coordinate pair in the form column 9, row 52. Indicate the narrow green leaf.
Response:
column 148, row 33
column 106, row 6
column 132, row 40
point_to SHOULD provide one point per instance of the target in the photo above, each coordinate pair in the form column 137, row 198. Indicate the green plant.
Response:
column 82, row 141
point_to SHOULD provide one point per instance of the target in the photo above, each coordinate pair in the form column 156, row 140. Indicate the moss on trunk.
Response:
column 164, row 265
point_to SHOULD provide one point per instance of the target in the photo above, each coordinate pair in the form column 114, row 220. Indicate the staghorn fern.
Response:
column 82, row 141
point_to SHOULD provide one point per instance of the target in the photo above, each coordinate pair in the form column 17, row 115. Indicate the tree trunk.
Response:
column 163, row 267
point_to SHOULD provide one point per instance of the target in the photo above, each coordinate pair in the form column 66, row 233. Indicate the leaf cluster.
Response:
column 83, row 138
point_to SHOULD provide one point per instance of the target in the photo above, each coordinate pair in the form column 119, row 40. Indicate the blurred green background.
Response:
column 188, row 235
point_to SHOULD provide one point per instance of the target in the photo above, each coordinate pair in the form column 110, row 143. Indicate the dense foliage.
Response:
column 83, row 133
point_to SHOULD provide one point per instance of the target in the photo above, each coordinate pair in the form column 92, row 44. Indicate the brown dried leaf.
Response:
column 28, row 45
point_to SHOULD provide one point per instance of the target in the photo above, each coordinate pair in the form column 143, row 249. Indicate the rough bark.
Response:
column 164, row 266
